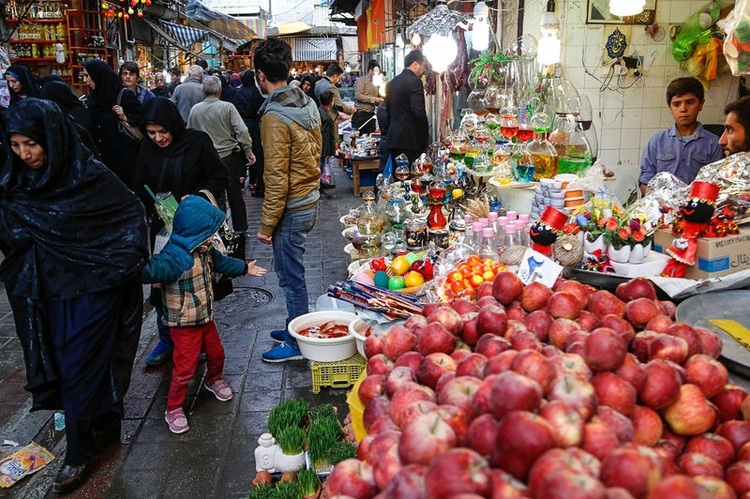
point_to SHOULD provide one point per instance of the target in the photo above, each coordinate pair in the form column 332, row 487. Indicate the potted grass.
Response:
column 288, row 413
column 323, row 434
column 290, row 455
column 261, row 491
column 309, row 483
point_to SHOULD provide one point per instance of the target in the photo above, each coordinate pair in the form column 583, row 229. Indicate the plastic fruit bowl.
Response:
column 358, row 329
column 324, row 349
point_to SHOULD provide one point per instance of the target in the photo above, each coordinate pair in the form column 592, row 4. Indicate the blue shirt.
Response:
column 668, row 151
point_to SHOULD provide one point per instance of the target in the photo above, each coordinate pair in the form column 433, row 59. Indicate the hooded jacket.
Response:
column 185, row 264
column 290, row 127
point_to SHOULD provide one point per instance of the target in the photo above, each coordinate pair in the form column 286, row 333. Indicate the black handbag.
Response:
column 233, row 245
column 131, row 133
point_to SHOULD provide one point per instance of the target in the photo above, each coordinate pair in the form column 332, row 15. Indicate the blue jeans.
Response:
column 288, row 241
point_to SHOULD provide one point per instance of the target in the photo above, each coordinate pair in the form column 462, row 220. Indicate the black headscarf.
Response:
column 29, row 85
column 59, row 92
column 71, row 227
column 108, row 85
column 164, row 112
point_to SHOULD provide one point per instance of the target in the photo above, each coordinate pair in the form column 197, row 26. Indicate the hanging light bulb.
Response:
column 441, row 51
column 549, row 47
column 416, row 39
column 399, row 40
column 480, row 30
column 131, row 11
column 625, row 8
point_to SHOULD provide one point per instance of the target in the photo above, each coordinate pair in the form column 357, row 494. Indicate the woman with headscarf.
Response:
column 21, row 83
column 59, row 92
column 117, row 152
column 74, row 241
column 180, row 161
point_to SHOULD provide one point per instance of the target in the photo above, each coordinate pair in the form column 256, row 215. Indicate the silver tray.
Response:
column 698, row 309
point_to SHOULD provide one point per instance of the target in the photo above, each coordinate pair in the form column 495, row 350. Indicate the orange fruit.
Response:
column 413, row 279
column 400, row 265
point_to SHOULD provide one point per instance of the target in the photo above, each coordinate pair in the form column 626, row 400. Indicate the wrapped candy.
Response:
column 669, row 193
column 732, row 175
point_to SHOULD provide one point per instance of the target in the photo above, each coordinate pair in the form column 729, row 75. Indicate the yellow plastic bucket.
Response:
column 356, row 409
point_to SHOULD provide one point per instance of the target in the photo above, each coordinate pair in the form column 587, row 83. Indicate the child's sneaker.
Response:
column 220, row 389
column 177, row 421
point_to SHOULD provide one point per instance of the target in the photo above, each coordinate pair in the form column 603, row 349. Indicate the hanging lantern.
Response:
column 140, row 13
column 119, row 14
column 111, row 13
column 105, row 6
column 133, row 3
column 441, row 51
column 126, row 16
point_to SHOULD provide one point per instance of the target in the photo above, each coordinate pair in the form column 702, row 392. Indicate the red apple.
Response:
column 729, row 402
column 738, row 477
column 374, row 410
column 535, row 296
column 424, row 438
column 599, row 439
column 576, row 392
column 577, row 289
column 374, row 345
column 379, row 364
column 461, row 352
column 564, row 305
column 737, row 432
column 484, row 289
column 480, row 402
column 560, row 330
column 604, row 349
column 566, row 421
column 638, row 287
column 687, row 333
column 472, row 365
column 647, row 425
column 619, row 325
column 673, row 440
column 459, row 392
column 565, row 483
column 536, row 366
column 717, row 488
column 640, row 344
column 371, row 387
column 640, row 311
column 665, row 346
column 434, row 338
column 405, row 395
column 482, row 434
column 588, row 321
column 744, row 453
column 469, row 473
column 500, row 362
column 515, row 312
column 396, row 378
column 398, row 341
column 433, row 366
column 448, row 318
column 691, row 414
column 457, row 419
column 512, row 392
column 522, row 437
column 571, row 363
column 407, row 484
column 386, row 466
column 417, row 408
column 470, row 334
column 487, row 300
column 620, row 424
column 416, row 320
column 380, row 444
column 409, row 359
column 708, row 374
column 712, row 445
column 573, row 459
column 659, row 323
column 603, row 302
column 615, row 392
column 464, row 306
column 526, row 340
column 661, row 387
column 490, row 345
column 507, row 287
column 492, row 319
column 538, row 322
column 353, row 478
column 711, row 343
column 381, row 425
column 695, row 463
column 577, row 348
column 631, row 470
column 676, row 487
column 668, row 307
column 631, row 371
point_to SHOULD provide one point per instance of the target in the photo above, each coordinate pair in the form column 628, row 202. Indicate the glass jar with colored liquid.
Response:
column 542, row 152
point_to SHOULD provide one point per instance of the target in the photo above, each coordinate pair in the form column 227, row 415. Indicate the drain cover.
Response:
column 246, row 297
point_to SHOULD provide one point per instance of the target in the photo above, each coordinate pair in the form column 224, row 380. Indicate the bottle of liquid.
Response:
column 542, row 152
column 511, row 236
column 476, row 234
column 487, row 249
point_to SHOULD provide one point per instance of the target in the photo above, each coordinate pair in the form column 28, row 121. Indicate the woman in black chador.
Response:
column 74, row 240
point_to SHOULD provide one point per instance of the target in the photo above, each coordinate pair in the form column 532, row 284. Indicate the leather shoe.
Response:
column 69, row 478
column 326, row 185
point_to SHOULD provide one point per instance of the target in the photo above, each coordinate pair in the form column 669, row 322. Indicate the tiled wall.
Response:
column 625, row 119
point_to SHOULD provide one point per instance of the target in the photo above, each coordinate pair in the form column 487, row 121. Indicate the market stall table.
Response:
column 359, row 164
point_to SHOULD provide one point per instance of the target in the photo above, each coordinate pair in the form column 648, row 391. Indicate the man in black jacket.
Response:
column 408, row 132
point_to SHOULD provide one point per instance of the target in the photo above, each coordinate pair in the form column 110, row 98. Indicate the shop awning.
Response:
column 221, row 23
column 185, row 35
column 291, row 27
column 313, row 49
column 170, row 37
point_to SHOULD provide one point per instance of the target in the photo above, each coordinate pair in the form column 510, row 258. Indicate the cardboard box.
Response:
column 716, row 256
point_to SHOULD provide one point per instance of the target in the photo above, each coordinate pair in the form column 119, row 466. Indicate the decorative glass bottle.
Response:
column 542, row 152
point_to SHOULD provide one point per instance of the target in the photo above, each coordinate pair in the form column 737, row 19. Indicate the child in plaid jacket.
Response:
column 184, row 267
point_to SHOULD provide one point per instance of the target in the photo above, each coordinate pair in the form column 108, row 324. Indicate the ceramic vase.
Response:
column 639, row 253
column 285, row 463
column 621, row 255
column 591, row 246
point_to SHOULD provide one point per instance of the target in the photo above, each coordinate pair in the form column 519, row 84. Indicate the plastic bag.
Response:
column 737, row 41
column 25, row 461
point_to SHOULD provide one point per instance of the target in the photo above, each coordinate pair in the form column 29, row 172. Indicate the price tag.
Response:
column 537, row 267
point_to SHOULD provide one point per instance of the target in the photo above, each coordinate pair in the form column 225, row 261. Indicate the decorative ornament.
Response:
column 119, row 14
column 111, row 13
column 140, row 13
column 126, row 16
column 131, row 11
column 616, row 44
column 133, row 3
column 546, row 228
column 148, row 3
column 105, row 6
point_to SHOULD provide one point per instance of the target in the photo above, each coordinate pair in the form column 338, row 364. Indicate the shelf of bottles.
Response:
column 36, row 29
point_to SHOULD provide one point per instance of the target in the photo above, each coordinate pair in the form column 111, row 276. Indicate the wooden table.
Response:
column 358, row 164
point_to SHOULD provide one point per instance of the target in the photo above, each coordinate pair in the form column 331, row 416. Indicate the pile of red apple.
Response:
column 569, row 392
